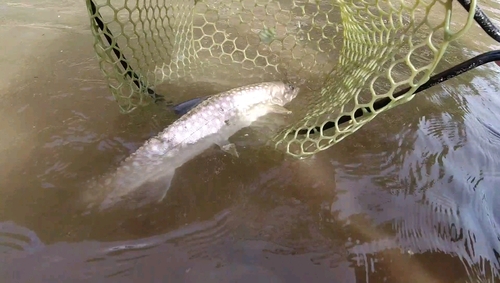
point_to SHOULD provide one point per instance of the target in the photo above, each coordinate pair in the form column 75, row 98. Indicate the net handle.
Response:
column 492, row 56
column 483, row 20
column 119, row 55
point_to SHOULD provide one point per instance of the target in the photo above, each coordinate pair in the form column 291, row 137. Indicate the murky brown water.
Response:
column 409, row 198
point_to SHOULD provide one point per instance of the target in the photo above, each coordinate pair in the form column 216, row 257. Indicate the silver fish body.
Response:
column 213, row 121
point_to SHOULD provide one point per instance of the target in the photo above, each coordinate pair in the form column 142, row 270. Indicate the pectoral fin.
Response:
column 155, row 190
column 279, row 110
column 229, row 148
column 272, row 121
column 167, row 181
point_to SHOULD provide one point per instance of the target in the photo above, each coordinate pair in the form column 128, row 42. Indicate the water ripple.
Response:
column 14, row 237
column 433, row 194
column 493, row 134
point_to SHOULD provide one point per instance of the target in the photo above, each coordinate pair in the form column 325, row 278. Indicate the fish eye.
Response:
column 291, row 86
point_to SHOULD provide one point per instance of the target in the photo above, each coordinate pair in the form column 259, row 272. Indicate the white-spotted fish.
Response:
column 212, row 121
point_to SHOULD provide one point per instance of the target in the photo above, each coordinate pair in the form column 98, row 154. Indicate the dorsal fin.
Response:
column 184, row 107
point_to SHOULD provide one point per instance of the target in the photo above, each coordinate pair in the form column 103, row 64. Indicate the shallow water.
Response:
column 411, row 197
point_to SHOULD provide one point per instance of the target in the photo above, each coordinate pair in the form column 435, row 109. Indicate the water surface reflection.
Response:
column 411, row 195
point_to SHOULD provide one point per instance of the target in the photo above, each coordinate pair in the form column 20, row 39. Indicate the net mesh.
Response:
column 344, row 54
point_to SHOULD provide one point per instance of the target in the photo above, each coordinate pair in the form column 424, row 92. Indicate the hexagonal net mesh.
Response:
column 344, row 54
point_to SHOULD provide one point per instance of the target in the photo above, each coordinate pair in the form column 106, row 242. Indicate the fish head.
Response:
column 283, row 93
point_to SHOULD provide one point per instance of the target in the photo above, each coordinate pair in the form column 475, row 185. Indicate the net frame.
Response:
column 308, row 135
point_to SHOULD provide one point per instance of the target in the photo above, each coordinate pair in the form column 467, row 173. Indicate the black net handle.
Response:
column 434, row 80
column 98, row 21
column 483, row 20
column 493, row 56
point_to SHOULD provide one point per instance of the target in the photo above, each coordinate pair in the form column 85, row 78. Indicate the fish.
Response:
column 210, row 121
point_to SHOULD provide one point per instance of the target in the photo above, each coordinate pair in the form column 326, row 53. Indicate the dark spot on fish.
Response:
column 226, row 122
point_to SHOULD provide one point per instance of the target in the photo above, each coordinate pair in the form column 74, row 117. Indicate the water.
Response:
column 410, row 196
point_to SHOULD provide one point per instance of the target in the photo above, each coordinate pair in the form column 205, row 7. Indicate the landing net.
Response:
column 345, row 55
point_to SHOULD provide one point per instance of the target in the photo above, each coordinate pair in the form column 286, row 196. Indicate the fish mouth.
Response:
column 292, row 95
